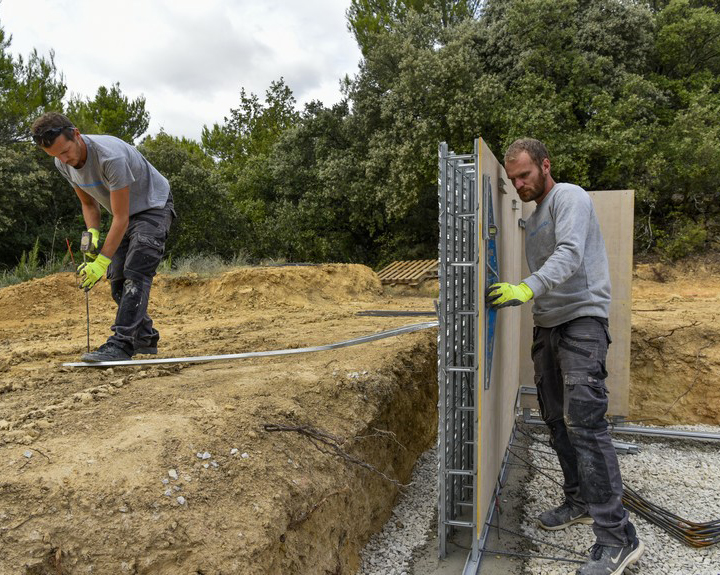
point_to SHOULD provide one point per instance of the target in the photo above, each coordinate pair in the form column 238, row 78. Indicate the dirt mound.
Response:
column 40, row 299
column 286, row 286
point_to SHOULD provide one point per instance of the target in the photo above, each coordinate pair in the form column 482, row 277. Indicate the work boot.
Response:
column 606, row 560
column 147, row 346
column 564, row 516
column 146, row 349
column 106, row 352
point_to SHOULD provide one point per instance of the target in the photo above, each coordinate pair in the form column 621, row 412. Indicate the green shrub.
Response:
column 685, row 237
column 29, row 267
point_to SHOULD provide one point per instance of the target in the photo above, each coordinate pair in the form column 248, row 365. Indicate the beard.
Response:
column 532, row 191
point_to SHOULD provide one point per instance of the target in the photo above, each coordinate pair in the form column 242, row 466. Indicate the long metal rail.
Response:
column 646, row 431
column 271, row 353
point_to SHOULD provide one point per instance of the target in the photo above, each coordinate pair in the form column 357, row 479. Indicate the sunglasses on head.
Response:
column 47, row 137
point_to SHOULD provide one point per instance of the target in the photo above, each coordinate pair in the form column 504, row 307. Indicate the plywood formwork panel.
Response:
column 497, row 415
column 614, row 209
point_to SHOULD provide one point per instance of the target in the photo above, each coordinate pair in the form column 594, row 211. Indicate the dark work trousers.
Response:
column 131, row 273
column 570, row 378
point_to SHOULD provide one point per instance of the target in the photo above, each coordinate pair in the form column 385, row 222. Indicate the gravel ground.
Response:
column 390, row 552
column 680, row 475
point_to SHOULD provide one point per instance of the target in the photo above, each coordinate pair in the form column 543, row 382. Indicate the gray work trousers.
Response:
column 131, row 272
column 570, row 377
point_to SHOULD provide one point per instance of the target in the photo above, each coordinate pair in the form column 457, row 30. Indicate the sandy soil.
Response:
column 675, row 356
column 88, row 457
column 92, row 462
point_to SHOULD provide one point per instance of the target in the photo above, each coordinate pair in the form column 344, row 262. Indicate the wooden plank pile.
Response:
column 410, row 272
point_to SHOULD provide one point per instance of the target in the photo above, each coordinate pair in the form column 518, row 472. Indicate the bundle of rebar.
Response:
column 688, row 532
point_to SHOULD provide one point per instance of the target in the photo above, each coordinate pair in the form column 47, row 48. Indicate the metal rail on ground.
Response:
column 251, row 354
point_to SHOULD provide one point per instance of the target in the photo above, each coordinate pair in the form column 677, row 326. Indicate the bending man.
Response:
column 570, row 284
column 106, row 171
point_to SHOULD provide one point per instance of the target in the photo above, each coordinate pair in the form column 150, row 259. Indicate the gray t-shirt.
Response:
column 566, row 255
column 113, row 164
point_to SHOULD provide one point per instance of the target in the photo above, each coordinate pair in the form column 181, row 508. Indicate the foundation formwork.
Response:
column 483, row 357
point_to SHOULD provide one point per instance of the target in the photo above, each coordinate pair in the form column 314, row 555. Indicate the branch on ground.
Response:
column 328, row 444
column 672, row 331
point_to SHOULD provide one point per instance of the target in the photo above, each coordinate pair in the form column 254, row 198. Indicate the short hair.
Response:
column 48, row 127
column 534, row 148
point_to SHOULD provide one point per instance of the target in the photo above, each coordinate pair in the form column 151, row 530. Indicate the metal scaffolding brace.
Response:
column 459, row 345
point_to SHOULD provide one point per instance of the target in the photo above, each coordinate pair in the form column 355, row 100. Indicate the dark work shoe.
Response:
column 564, row 516
column 146, row 349
column 147, row 346
column 106, row 352
column 605, row 560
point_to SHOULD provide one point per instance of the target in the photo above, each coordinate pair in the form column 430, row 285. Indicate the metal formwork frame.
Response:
column 460, row 353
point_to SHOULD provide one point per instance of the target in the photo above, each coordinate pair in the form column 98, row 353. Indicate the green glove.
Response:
column 91, row 272
column 504, row 294
column 92, row 253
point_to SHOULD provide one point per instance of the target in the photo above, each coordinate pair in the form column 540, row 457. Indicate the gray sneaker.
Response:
column 564, row 516
column 606, row 560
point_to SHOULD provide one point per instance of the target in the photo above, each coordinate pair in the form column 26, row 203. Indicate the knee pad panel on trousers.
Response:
column 144, row 256
column 595, row 484
column 116, row 290
column 585, row 421
column 587, row 402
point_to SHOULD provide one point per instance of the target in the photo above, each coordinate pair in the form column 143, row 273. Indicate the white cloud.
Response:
column 189, row 59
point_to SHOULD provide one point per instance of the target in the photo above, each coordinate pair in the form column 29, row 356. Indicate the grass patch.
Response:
column 29, row 267
column 204, row 265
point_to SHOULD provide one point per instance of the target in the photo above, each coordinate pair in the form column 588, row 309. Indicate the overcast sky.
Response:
column 189, row 58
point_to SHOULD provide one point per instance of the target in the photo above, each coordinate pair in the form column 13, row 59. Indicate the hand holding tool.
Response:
column 86, row 240
column 91, row 272
column 89, row 242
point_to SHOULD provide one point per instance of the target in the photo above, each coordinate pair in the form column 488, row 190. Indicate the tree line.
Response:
column 625, row 93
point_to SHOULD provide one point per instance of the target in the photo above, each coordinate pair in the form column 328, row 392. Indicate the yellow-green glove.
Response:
column 91, row 272
column 504, row 294
column 92, row 253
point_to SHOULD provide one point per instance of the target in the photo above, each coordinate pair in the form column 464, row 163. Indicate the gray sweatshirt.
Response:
column 566, row 255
